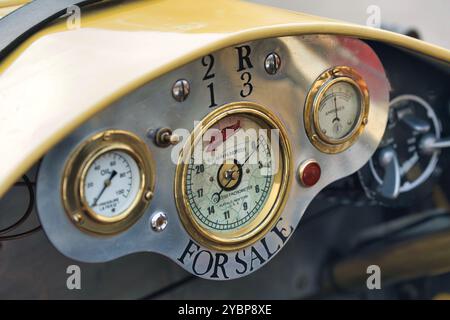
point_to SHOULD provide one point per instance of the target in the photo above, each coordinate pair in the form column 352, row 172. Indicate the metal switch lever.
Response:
column 391, row 181
column 430, row 143
column 415, row 123
column 165, row 137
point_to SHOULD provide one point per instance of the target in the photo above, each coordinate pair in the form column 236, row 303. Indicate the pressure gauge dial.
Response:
column 108, row 182
column 111, row 184
column 232, row 181
column 336, row 110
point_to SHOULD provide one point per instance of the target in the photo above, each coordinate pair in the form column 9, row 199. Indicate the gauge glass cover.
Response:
column 226, row 196
column 112, row 183
column 231, row 194
column 339, row 110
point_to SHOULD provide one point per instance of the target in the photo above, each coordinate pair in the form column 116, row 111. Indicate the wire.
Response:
column 24, row 184
column 20, row 235
column 27, row 213
column 25, row 216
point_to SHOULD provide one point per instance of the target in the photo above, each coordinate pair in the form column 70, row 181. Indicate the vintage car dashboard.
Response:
column 127, row 180
column 213, row 163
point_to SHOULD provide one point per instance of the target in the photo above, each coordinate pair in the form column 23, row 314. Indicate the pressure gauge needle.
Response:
column 105, row 186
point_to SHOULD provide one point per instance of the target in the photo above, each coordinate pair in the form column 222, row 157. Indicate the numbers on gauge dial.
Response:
column 339, row 110
column 227, row 196
column 112, row 183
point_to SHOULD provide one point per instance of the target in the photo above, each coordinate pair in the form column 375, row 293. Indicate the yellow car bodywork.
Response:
column 62, row 76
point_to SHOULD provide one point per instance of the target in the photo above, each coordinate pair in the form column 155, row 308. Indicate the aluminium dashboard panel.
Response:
column 303, row 59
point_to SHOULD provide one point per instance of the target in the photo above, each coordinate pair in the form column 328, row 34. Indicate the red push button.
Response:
column 309, row 173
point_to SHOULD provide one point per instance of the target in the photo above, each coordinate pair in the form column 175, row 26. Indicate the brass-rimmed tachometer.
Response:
column 232, row 179
column 108, row 182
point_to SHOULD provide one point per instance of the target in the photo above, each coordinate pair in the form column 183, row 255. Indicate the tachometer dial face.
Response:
column 339, row 110
column 227, row 195
column 112, row 183
column 234, row 189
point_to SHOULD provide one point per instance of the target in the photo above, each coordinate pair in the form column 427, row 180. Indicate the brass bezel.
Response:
column 75, row 171
column 272, row 209
column 318, row 89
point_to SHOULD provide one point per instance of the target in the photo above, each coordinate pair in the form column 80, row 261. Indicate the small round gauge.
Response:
column 231, row 192
column 111, row 184
column 108, row 182
column 339, row 110
column 336, row 109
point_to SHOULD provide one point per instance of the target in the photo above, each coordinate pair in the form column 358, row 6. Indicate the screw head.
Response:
column 148, row 195
column 272, row 63
column 77, row 218
column 107, row 136
column 181, row 90
column 158, row 221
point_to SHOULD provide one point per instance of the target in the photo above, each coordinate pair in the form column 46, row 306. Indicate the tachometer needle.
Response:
column 256, row 148
column 105, row 185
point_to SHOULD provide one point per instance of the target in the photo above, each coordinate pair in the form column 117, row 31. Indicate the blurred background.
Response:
column 431, row 18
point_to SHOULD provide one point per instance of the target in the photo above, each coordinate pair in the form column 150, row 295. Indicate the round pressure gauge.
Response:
column 336, row 109
column 108, row 182
column 232, row 180
column 111, row 184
